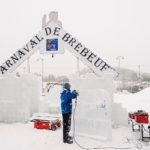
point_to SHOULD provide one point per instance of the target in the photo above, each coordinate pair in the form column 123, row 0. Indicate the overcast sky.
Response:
column 110, row 28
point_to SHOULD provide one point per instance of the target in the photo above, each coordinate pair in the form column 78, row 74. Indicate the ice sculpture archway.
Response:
column 53, row 29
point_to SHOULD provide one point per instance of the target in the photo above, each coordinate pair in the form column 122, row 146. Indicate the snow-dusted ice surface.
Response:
column 50, row 103
column 93, row 114
column 93, row 111
column 19, row 97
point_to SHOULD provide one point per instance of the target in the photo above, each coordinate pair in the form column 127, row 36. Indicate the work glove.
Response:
column 77, row 93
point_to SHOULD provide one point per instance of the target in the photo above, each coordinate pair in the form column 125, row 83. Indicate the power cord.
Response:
column 92, row 148
column 137, row 143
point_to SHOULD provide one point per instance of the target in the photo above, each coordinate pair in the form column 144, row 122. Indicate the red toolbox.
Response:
column 47, row 124
column 142, row 117
column 39, row 124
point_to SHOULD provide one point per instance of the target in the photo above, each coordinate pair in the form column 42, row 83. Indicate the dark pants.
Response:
column 66, row 125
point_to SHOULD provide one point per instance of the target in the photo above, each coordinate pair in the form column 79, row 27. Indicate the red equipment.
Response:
column 142, row 118
column 47, row 124
column 131, row 115
column 139, row 116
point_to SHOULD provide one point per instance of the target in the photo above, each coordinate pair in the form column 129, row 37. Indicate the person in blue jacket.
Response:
column 66, row 107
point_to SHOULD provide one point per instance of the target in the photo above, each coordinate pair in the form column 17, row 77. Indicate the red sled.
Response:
column 47, row 124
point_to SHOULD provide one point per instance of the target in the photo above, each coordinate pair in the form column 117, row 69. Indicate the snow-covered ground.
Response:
column 24, row 137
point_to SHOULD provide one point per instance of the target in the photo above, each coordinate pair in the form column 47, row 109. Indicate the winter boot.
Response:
column 70, row 137
column 68, row 140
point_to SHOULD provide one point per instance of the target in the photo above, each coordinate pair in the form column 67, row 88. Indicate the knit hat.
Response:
column 67, row 86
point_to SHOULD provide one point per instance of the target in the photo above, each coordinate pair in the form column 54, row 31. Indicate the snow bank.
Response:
column 134, row 102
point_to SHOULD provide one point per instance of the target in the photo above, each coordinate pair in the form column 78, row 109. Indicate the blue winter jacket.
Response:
column 66, row 100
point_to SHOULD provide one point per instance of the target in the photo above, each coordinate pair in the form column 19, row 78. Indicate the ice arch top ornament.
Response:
column 53, row 35
column 53, row 17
